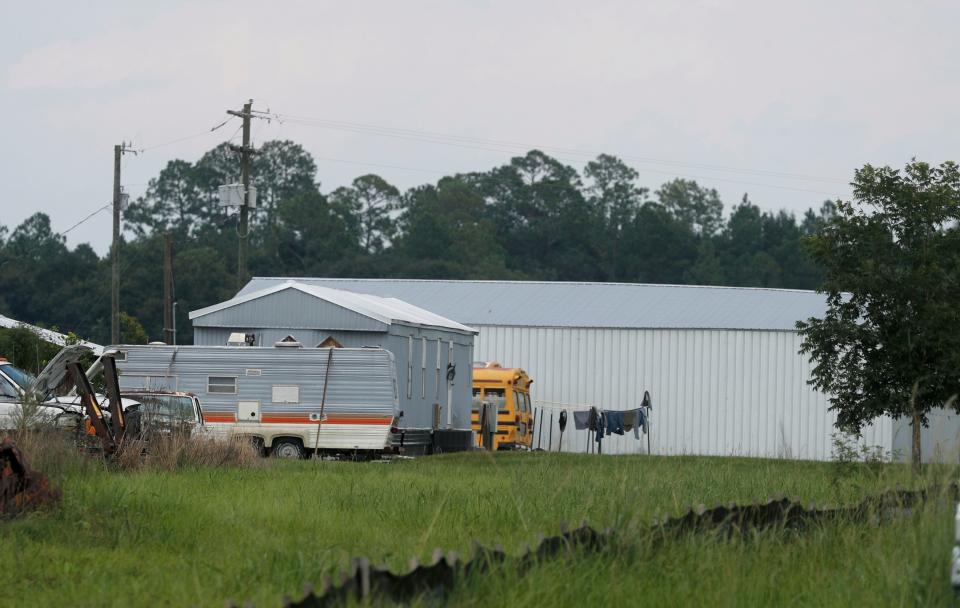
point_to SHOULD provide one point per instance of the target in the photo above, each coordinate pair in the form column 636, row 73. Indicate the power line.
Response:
column 493, row 145
column 104, row 208
column 187, row 137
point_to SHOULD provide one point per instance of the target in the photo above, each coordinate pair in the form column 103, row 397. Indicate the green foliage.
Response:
column 25, row 349
column 888, row 343
column 532, row 218
column 852, row 459
column 131, row 331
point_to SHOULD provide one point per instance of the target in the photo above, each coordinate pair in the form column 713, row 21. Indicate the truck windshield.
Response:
column 174, row 407
column 22, row 378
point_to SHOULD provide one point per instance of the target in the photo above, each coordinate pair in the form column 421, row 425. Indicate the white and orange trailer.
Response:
column 291, row 401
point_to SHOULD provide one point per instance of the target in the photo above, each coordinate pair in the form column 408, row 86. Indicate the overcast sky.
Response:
column 781, row 100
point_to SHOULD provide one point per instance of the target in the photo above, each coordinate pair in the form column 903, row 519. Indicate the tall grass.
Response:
column 900, row 563
column 61, row 454
column 179, row 451
column 190, row 535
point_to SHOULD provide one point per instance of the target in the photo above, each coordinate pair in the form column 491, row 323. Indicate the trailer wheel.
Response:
column 288, row 449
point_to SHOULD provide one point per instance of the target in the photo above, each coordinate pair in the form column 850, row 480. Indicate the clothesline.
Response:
column 578, row 407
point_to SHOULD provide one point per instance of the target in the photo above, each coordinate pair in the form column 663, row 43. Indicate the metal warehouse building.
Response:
column 433, row 355
column 721, row 363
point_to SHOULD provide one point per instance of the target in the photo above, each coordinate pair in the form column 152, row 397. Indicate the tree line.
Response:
column 532, row 218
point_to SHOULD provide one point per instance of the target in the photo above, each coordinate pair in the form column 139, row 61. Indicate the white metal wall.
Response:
column 718, row 392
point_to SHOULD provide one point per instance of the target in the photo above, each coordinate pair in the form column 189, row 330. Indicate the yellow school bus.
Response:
column 507, row 389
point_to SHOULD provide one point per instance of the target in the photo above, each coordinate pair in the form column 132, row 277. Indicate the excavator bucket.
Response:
column 21, row 489
column 118, row 423
column 94, row 413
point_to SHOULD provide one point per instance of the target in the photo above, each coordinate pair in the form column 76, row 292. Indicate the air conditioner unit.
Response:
column 231, row 195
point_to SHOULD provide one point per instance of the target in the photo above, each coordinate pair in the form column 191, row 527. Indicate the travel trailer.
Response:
column 288, row 400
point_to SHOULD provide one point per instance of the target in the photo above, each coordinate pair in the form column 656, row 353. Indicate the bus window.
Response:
column 496, row 397
column 526, row 402
column 518, row 401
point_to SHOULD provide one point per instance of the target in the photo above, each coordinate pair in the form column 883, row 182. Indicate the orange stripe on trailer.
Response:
column 219, row 417
column 345, row 420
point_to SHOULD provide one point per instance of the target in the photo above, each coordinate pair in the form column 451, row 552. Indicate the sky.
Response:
column 779, row 100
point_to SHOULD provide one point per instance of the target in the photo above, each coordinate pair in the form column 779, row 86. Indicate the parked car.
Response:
column 22, row 394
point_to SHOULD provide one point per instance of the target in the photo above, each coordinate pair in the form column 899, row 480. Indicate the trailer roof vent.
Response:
column 289, row 342
column 330, row 342
column 238, row 338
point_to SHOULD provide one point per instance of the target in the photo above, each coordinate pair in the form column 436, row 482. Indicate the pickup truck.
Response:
column 18, row 387
column 163, row 412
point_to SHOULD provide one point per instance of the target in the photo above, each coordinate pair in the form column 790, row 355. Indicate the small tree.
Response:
column 889, row 342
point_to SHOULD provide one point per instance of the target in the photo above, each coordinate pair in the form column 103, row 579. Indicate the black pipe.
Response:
column 550, row 442
column 540, row 429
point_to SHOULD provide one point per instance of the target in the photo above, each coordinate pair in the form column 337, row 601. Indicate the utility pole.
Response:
column 168, row 323
column 245, row 153
column 118, row 152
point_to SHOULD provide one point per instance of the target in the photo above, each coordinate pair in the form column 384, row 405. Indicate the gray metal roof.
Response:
column 385, row 310
column 612, row 305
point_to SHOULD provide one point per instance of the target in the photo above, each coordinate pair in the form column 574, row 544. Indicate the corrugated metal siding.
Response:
column 719, row 392
column 361, row 380
column 610, row 305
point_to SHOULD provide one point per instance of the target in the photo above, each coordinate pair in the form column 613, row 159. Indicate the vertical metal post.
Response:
column 550, row 434
column 647, row 420
column 540, row 429
column 323, row 401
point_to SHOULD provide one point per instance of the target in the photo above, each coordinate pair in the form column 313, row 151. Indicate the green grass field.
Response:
column 201, row 536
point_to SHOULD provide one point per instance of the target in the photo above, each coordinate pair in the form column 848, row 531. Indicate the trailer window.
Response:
column 226, row 385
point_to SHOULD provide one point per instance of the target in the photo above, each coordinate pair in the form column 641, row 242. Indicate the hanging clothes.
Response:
column 631, row 422
column 598, row 421
column 581, row 420
column 614, row 422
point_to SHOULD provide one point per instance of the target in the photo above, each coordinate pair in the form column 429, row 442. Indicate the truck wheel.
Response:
column 288, row 449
